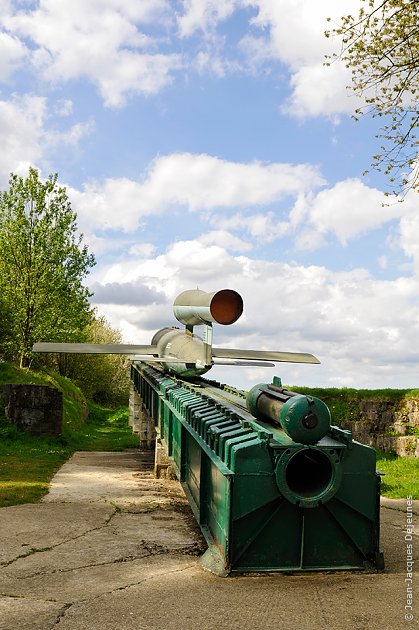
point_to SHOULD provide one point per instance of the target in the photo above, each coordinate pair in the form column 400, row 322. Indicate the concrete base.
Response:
column 113, row 547
column 163, row 467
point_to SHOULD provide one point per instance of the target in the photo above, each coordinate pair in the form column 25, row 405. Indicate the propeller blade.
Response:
column 264, row 355
column 94, row 348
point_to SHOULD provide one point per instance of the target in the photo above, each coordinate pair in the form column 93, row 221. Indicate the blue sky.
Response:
column 204, row 143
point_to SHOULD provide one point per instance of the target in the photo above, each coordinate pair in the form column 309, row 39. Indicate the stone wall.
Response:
column 387, row 425
column 36, row 409
column 141, row 423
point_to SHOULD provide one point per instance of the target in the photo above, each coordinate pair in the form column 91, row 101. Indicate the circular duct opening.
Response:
column 226, row 306
column 308, row 473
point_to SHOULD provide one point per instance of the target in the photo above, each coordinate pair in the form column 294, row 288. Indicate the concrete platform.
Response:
column 110, row 547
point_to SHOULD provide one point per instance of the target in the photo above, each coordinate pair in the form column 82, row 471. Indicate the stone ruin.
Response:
column 36, row 409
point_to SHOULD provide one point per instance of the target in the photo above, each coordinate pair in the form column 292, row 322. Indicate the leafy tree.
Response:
column 6, row 325
column 42, row 264
column 102, row 378
column 381, row 47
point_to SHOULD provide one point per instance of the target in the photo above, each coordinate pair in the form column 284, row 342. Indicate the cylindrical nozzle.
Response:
column 308, row 476
column 197, row 307
column 305, row 419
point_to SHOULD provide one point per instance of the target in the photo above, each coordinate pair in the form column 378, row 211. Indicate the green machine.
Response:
column 273, row 486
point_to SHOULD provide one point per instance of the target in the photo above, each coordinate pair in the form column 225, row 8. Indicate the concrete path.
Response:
column 112, row 548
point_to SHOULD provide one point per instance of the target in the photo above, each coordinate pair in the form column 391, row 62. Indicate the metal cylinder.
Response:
column 308, row 475
column 172, row 342
column 305, row 419
column 196, row 307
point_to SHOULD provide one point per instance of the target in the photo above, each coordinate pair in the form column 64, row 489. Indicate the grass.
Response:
column 27, row 463
column 401, row 478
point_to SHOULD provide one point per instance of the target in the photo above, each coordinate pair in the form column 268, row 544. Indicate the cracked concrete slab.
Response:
column 91, row 581
column 42, row 615
column 112, row 547
column 113, row 477
column 25, row 528
column 191, row 599
column 124, row 537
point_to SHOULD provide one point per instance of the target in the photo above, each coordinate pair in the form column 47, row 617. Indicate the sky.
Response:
column 204, row 143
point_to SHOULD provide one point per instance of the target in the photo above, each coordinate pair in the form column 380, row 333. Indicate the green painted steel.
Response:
column 305, row 419
column 264, row 501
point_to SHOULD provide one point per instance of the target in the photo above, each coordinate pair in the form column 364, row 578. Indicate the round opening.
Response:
column 310, row 421
column 308, row 473
column 226, row 306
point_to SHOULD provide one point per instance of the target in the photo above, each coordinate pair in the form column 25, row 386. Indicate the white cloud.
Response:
column 215, row 63
column 383, row 262
column 224, row 239
column 297, row 27
column 200, row 263
column 361, row 328
column 24, row 135
column 197, row 182
column 408, row 229
column 129, row 73
column 21, row 130
column 143, row 250
column 71, row 136
column 348, row 209
column 218, row 188
column 318, row 90
column 204, row 15
column 114, row 204
column 108, row 43
column 12, row 54
column 289, row 31
column 99, row 40
column 204, row 182
column 296, row 38
column 261, row 226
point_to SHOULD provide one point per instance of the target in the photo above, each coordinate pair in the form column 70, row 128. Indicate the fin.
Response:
column 264, row 355
column 242, row 362
column 94, row 348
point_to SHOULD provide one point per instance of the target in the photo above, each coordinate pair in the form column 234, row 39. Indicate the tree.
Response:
column 42, row 264
column 102, row 378
column 381, row 47
column 6, row 325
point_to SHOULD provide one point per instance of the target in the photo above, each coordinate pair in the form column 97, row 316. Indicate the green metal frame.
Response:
column 242, row 479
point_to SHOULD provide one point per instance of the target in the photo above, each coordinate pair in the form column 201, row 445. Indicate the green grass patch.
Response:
column 104, row 430
column 26, row 469
column 401, row 478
